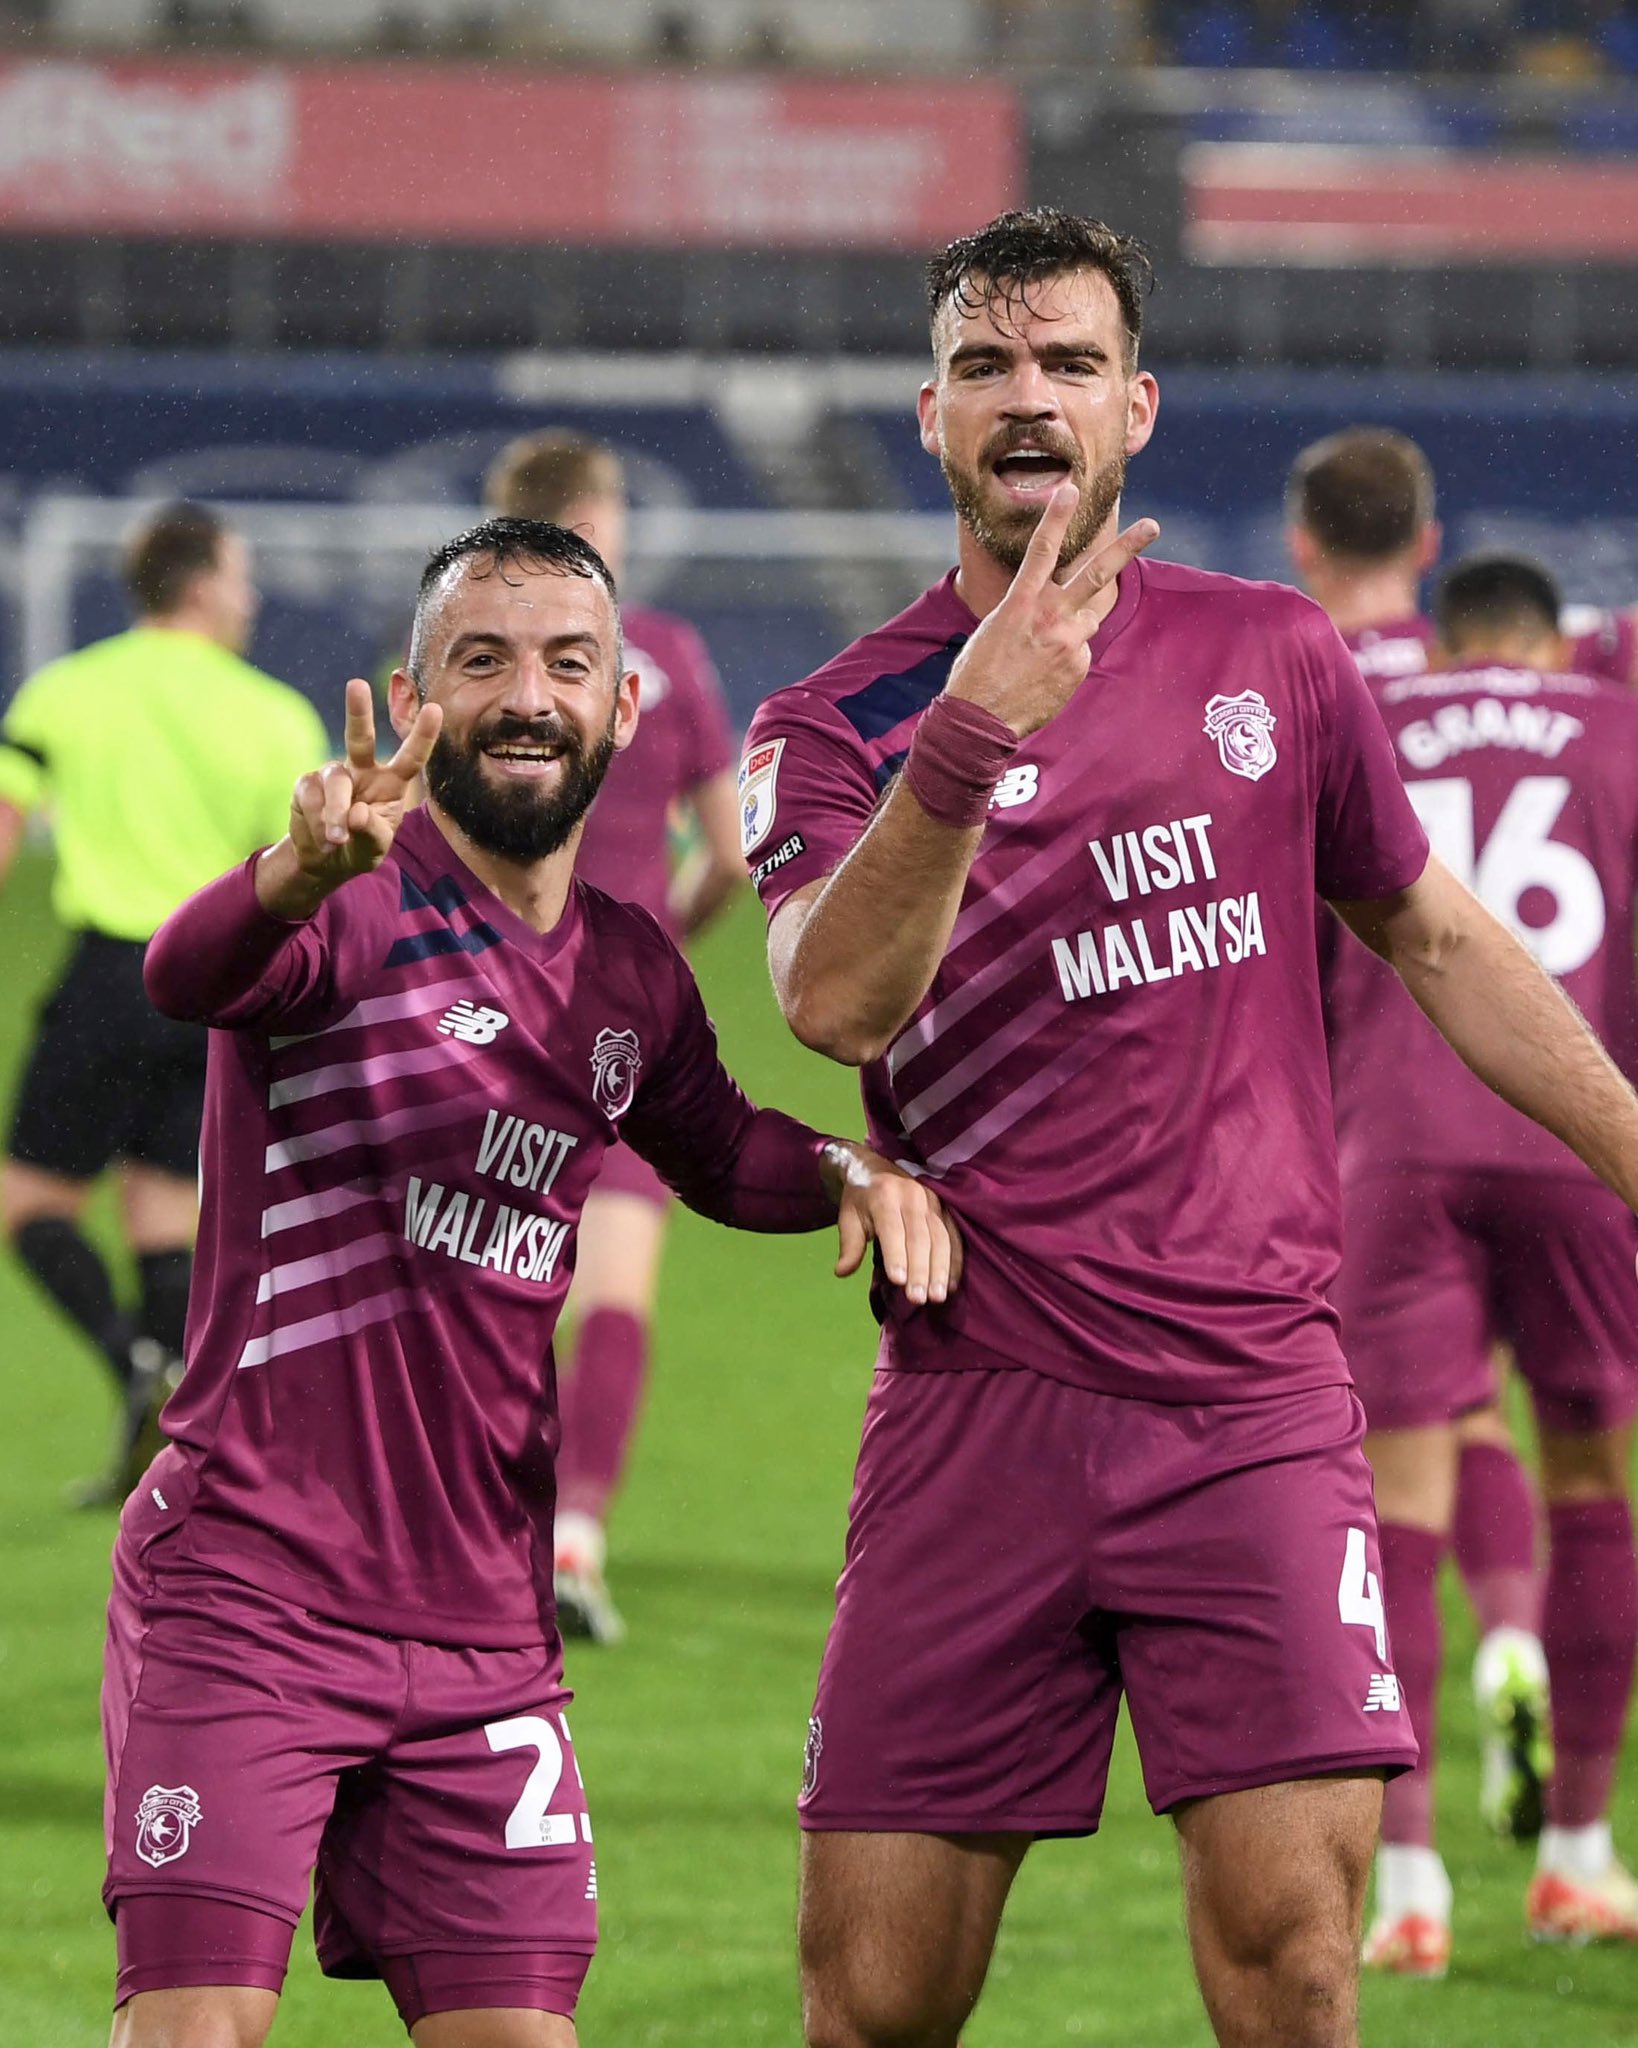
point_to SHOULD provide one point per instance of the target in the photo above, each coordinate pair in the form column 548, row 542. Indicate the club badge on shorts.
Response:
column 1243, row 728
column 810, row 1756
column 165, row 1823
column 616, row 1063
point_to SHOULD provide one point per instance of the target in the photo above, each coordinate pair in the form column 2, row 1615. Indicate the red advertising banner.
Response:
column 1318, row 203
column 469, row 153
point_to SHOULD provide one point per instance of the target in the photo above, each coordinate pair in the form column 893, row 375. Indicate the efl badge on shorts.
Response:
column 810, row 1756
column 758, row 793
column 1243, row 728
column 616, row 1063
column 165, row 1822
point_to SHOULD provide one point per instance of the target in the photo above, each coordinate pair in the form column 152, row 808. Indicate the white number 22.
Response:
column 529, row 1825
column 1359, row 1594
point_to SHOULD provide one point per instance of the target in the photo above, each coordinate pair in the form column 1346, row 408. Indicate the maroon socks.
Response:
column 1496, row 1539
column 598, row 1406
column 1591, row 1637
column 1410, row 1573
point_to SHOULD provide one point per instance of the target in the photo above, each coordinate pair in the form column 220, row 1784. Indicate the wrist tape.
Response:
column 958, row 755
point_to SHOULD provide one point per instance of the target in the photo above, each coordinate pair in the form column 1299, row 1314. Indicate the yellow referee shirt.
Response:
column 164, row 759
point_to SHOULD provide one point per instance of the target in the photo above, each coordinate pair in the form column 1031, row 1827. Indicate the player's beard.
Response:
column 518, row 821
column 1004, row 530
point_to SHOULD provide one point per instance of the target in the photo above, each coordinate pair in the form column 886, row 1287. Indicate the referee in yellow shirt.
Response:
column 162, row 758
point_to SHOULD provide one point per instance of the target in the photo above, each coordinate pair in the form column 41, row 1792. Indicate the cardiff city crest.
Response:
column 1243, row 728
column 165, row 1823
column 616, row 1063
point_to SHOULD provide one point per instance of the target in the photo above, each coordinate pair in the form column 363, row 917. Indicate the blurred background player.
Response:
column 678, row 772
column 123, row 743
column 1464, row 1223
column 1362, row 533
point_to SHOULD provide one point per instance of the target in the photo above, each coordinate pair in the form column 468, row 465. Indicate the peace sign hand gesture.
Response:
column 344, row 817
column 1029, row 656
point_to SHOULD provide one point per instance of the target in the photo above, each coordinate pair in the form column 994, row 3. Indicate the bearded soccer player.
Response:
column 1464, row 1222
column 1041, row 856
column 680, row 762
column 1362, row 533
column 331, row 1640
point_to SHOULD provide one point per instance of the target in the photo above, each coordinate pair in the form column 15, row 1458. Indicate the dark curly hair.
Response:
column 995, row 269
column 504, row 544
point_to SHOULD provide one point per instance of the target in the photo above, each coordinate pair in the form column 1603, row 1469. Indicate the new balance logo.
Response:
column 591, row 1882
column 1017, row 786
column 471, row 1024
column 1382, row 1696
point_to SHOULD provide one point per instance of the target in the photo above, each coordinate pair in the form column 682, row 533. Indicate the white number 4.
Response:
column 1359, row 1594
column 529, row 1825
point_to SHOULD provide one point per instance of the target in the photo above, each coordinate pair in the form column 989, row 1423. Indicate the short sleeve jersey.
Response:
column 1118, row 1077
column 1527, row 785
column 164, row 759
column 682, row 740
column 400, row 1131
column 1399, row 648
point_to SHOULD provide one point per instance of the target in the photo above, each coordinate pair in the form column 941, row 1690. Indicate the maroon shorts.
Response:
column 624, row 1172
column 1438, row 1267
column 434, row 1791
column 1021, row 1552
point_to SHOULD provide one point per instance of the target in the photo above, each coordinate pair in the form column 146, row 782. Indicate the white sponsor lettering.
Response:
column 522, row 1154
column 1156, row 857
column 1221, row 933
column 1487, row 722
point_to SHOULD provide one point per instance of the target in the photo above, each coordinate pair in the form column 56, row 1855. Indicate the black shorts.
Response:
column 108, row 1077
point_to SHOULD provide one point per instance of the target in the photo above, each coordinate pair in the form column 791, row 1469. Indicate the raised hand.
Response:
column 1030, row 655
column 879, row 1203
column 344, row 817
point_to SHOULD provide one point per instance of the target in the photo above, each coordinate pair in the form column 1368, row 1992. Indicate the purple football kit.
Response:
column 1137, row 1405
column 1602, row 644
column 331, row 1640
column 682, row 741
column 1466, row 1222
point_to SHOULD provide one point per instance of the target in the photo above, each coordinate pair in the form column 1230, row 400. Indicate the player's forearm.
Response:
column 1518, row 1031
column 768, row 1177
column 871, row 941
column 215, row 950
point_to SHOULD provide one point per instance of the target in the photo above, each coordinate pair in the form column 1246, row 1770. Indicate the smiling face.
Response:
column 524, row 660
column 1031, row 391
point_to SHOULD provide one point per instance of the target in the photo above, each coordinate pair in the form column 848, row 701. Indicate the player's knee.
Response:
column 846, row 2008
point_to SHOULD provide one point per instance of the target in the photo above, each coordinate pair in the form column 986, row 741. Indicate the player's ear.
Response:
column 404, row 699
column 1430, row 546
column 927, row 415
column 1299, row 545
column 1142, row 406
column 625, row 710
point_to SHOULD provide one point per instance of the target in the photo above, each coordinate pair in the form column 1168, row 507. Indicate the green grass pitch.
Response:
column 726, row 1544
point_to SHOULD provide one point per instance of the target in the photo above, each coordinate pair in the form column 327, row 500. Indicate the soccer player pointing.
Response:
column 331, row 1641
column 1041, row 855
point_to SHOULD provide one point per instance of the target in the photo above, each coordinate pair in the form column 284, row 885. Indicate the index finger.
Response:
column 1046, row 542
column 1097, row 573
column 359, row 733
column 418, row 742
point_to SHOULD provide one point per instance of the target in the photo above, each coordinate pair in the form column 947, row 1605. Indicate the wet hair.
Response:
column 1495, row 593
column 1365, row 494
column 996, row 269
column 539, row 476
column 508, row 544
column 166, row 552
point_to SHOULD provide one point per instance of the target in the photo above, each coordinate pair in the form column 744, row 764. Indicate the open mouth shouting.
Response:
column 1030, row 470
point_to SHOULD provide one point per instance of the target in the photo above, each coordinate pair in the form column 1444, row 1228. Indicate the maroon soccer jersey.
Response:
column 403, row 1119
column 1602, row 643
column 1527, row 785
column 1118, row 1078
column 682, row 740
column 1399, row 648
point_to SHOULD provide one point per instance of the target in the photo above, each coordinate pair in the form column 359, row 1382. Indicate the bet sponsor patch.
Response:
column 785, row 852
column 758, row 793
